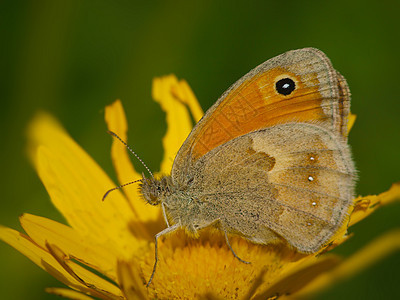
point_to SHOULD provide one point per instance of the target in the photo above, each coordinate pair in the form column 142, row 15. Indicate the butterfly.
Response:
column 269, row 161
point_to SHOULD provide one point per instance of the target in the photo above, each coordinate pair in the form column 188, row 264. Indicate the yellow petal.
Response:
column 178, row 118
column 350, row 121
column 42, row 258
column 98, row 286
column 182, row 92
column 84, row 249
column 381, row 247
column 76, row 185
column 116, row 122
column 67, row 293
column 364, row 206
column 130, row 281
column 299, row 277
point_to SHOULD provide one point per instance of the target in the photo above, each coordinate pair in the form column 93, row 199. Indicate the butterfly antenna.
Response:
column 118, row 187
column 133, row 152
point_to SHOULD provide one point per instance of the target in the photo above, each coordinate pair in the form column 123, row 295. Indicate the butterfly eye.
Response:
column 285, row 86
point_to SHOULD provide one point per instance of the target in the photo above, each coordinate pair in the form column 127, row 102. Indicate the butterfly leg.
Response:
column 158, row 235
column 233, row 252
column 164, row 213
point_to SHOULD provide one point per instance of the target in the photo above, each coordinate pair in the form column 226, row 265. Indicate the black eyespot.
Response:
column 285, row 86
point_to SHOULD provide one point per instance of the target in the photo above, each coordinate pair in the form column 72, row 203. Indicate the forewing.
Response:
column 253, row 103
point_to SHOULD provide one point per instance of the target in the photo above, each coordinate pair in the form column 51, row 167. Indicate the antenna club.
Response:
column 106, row 194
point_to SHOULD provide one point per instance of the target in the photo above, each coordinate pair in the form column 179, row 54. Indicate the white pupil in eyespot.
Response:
column 285, row 86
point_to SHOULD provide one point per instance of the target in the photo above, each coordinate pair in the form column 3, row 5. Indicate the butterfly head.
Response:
column 154, row 190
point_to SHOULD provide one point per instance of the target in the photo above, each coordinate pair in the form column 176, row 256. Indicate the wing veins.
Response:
column 272, row 200
column 307, row 190
column 312, row 167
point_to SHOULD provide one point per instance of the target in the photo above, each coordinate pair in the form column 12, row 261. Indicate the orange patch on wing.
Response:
column 255, row 105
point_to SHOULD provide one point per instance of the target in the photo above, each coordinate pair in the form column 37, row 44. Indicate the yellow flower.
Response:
column 107, row 250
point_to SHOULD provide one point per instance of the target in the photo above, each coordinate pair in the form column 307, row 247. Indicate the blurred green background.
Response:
column 72, row 58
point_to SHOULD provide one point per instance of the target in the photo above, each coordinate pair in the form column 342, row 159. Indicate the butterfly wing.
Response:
column 293, row 179
column 270, row 157
column 253, row 103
